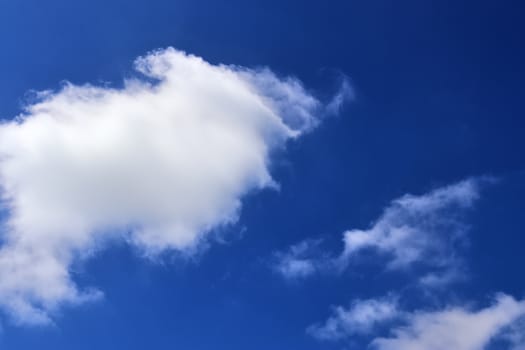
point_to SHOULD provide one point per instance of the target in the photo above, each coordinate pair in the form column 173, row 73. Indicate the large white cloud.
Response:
column 159, row 163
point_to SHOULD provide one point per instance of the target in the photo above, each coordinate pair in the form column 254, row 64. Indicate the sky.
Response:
column 285, row 175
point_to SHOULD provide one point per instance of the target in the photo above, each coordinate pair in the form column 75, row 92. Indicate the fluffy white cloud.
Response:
column 159, row 163
column 454, row 328
column 361, row 318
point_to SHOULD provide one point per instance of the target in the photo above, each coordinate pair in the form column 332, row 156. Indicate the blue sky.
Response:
column 268, row 175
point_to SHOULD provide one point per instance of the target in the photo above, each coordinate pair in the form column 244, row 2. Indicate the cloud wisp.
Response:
column 159, row 163
column 425, row 230
column 302, row 260
column 361, row 318
column 454, row 327
column 424, row 234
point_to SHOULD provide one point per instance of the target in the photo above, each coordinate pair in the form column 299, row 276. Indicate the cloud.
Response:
column 295, row 263
column 454, row 328
column 301, row 260
column 362, row 317
column 159, row 163
column 423, row 229
column 427, row 230
column 344, row 94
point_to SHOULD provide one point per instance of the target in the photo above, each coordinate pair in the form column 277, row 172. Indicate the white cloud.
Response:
column 427, row 229
column 157, row 164
column 300, row 260
column 457, row 328
column 424, row 229
column 361, row 318
column 454, row 328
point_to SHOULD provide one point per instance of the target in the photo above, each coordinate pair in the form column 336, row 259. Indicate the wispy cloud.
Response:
column 421, row 229
column 425, row 230
column 454, row 328
column 158, row 163
column 362, row 317
column 301, row 260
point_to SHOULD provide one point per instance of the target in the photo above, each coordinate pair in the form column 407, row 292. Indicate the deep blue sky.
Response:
column 438, row 97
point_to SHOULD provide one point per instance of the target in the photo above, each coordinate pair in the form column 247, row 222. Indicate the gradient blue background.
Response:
column 439, row 97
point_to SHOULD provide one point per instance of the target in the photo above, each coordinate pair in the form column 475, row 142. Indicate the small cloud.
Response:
column 300, row 260
column 362, row 317
column 439, row 279
column 454, row 327
column 427, row 230
column 344, row 94
column 423, row 229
